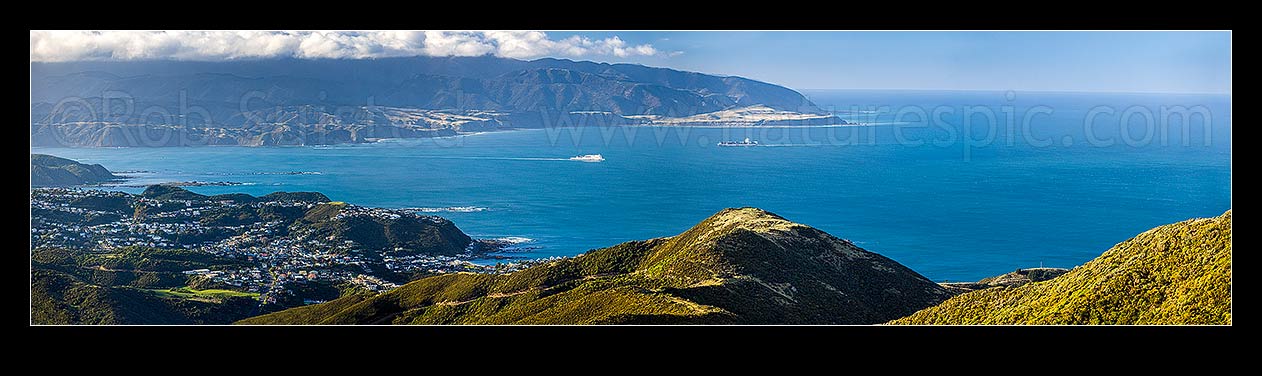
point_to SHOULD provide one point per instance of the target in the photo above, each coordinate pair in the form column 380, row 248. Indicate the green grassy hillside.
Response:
column 1173, row 274
column 738, row 266
column 62, row 298
column 133, row 285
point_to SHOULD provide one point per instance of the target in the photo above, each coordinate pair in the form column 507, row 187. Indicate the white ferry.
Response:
column 747, row 142
column 588, row 158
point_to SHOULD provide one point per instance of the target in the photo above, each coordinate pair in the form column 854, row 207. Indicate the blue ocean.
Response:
column 956, row 185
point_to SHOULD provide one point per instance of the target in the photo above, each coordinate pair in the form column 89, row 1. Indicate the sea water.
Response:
column 955, row 185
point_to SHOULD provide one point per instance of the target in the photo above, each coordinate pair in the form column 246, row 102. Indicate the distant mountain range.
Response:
column 315, row 101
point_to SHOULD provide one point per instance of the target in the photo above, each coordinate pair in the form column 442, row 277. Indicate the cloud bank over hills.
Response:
column 57, row 46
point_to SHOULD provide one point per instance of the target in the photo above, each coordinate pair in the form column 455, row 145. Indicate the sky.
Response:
column 1096, row 61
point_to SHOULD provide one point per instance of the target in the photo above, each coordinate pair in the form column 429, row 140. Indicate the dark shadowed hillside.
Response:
column 48, row 171
column 129, row 286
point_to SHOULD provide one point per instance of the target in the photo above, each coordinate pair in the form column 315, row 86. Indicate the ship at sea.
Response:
column 588, row 158
column 746, row 142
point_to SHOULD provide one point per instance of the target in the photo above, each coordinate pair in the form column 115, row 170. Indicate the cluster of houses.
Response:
column 274, row 258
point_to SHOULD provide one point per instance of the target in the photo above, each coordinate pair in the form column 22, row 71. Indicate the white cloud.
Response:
column 229, row 45
column 456, row 43
column 522, row 44
column 578, row 46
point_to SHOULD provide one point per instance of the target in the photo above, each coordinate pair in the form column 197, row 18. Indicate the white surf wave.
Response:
column 515, row 239
column 450, row 209
column 265, row 173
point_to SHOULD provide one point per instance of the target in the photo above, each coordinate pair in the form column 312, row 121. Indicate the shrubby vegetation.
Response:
column 1173, row 274
column 738, row 266
column 132, row 285
column 61, row 298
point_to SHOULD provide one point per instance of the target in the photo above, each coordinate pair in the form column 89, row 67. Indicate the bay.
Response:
column 946, row 183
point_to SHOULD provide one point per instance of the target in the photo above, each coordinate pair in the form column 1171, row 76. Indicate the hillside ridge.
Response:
column 317, row 102
column 738, row 266
column 51, row 171
column 1178, row 273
